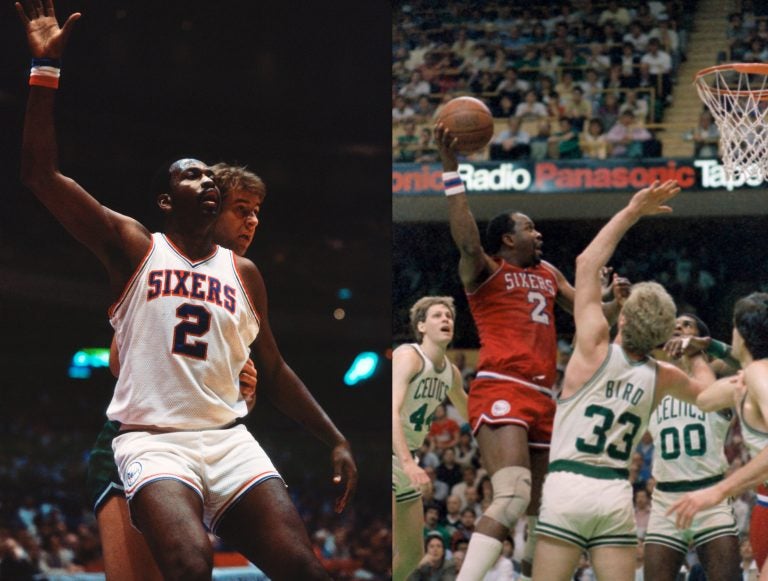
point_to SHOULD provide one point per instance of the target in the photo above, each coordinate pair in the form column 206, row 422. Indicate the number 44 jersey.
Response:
column 601, row 424
column 183, row 330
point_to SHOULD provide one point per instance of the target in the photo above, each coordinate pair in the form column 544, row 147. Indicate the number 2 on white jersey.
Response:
column 539, row 305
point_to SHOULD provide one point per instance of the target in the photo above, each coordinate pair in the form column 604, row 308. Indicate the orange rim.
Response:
column 744, row 68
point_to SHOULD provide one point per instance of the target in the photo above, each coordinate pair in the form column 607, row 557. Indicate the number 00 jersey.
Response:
column 601, row 424
column 514, row 311
column 425, row 392
column 183, row 329
column 688, row 442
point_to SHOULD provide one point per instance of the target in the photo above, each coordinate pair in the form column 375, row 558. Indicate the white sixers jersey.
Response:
column 425, row 392
column 601, row 423
column 688, row 443
column 183, row 329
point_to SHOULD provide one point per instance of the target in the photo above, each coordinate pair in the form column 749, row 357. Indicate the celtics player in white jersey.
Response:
column 748, row 392
column 609, row 392
column 185, row 314
column 689, row 456
column 422, row 377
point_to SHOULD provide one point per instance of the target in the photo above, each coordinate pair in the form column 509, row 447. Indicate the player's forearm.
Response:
column 39, row 152
column 717, row 396
column 399, row 443
column 463, row 226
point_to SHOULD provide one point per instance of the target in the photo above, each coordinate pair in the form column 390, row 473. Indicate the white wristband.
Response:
column 452, row 183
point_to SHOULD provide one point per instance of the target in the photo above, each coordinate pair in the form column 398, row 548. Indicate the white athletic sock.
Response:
column 482, row 553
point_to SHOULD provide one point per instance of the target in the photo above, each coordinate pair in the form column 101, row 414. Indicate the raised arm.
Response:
column 117, row 240
column 474, row 264
column 282, row 386
column 405, row 365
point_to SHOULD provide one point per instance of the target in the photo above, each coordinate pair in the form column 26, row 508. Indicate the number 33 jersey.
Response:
column 514, row 311
column 602, row 423
column 183, row 330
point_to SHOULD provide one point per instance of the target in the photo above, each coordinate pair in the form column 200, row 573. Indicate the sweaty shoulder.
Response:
column 251, row 278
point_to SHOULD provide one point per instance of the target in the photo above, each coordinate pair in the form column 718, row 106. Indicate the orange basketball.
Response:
column 469, row 120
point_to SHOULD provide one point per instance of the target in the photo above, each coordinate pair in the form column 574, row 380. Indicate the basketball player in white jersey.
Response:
column 609, row 392
column 749, row 393
column 422, row 377
column 185, row 314
column 689, row 456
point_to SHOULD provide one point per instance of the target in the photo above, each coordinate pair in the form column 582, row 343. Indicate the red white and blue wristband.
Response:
column 45, row 73
column 452, row 183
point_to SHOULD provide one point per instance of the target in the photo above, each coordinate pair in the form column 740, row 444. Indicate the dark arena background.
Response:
column 293, row 91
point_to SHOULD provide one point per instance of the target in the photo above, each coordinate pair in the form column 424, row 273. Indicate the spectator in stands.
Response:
column 564, row 143
column 473, row 501
column 592, row 141
column 546, row 89
column 627, row 136
column 616, row 14
column 705, row 137
column 466, row 451
column 668, row 39
column 531, row 109
column 527, row 63
column 463, row 46
column 512, row 85
column 562, row 37
column 659, row 64
column 549, row 61
column 610, row 37
column 737, row 35
column 500, row 62
column 539, row 36
column 427, row 456
column 484, row 84
column 407, row 143
column 513, row 41
column 636, row 37
column 415, row 88
column 464, row 528
column 629, row 62
column 468, row 476
column 401, row 110
column 579, row 110
column 748, row 564
column 440, row 489
column 540, row 141
column 478, row 62
column 592, row 86
column 565, row 89
column 443, row 431
column 512, row 142
column 426, row 151
column 452, row 516
column 433, row 522
column 424, row 110
column 757, row 52
column 597, row 60
column 449, row 470
column 573, row 62
column 504, row 108
column 644, row 17
column 435, row 565
column 638, row 106
column 646, row 449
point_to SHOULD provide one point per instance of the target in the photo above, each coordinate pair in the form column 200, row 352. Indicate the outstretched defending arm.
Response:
column 474, row 264
column 117, row 240
column 289, row 394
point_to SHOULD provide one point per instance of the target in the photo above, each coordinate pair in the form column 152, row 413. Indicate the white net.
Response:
column 738, row 102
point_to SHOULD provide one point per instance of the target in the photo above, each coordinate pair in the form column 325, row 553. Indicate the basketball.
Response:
column 469, row 120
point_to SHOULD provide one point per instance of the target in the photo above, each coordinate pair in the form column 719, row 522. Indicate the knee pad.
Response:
column 511, row 494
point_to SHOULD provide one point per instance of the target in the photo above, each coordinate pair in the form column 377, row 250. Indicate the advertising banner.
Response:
column 555, row 176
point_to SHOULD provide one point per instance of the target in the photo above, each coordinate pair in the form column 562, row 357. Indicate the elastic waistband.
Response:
column 493, row 375
column 688, row 485
column 127, row 428
column 601, row 472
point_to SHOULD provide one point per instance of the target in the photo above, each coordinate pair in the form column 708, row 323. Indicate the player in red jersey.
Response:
column 512, row 295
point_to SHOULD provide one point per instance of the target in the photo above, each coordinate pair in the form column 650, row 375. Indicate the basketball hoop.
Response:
column 737, row 96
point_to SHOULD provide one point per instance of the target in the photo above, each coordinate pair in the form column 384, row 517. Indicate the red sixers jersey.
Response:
column 514, row 311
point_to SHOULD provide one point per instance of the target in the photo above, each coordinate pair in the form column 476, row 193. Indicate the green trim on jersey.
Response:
column 689, row 485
